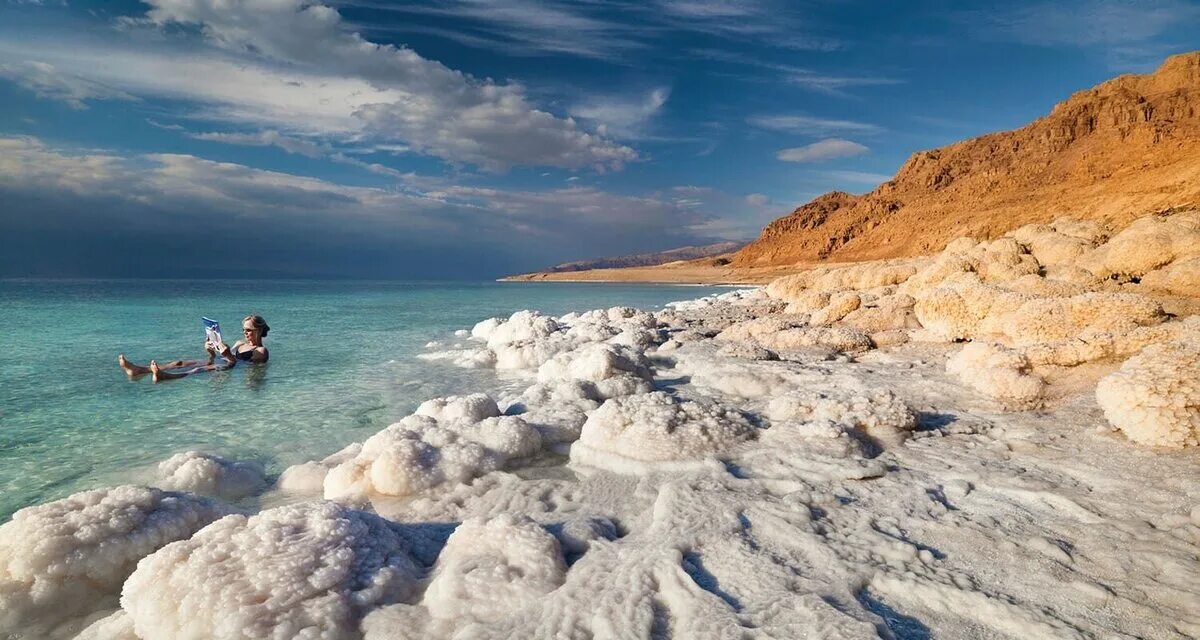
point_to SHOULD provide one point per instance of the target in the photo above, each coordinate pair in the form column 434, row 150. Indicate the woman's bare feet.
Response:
column 155, row 371
column 132, row 370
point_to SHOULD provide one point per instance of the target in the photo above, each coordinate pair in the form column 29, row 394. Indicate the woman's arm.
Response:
column 229, row 354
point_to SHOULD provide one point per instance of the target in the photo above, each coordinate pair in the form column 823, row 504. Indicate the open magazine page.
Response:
column 212, row 331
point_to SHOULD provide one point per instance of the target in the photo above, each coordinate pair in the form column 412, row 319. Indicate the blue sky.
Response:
column 472, row 138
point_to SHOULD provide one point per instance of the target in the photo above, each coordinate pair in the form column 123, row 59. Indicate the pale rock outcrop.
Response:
column 1154, row 398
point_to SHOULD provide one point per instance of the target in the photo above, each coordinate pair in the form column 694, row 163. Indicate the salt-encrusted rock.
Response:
column 1180, row 278
column 468, row 408
column 1154, row 398
column 68, row 558
column 1000, row 373
column 409, row 457
column 1145, row 245
column 873, row 411
column 210, row 475
column 301, row 571
column 491, row 568
column 653, row 431
column 594, row 363
column 845, row 339
column 308, row 478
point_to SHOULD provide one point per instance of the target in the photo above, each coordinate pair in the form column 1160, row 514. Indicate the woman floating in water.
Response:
column 249, row 350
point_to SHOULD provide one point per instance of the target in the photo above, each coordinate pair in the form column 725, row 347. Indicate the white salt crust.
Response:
column 64, row 560
column 308, row 571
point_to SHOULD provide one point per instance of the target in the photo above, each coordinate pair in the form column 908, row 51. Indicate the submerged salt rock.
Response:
column 68, row 558
column 490, row 569
column 640, row 433
column 210, row 475
column 1003, row 374
column 1154, row 398
column 309, row 570
column 308, row 478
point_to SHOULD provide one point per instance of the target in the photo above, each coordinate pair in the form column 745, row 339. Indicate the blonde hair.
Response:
column 259, row 324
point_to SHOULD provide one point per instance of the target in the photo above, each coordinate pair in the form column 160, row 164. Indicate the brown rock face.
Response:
column 1113, row 153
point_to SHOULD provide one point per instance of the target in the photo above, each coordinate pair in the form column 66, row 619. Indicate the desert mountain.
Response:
column 1127, row 147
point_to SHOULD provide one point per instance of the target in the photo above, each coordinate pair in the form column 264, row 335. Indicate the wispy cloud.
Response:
column 45, row 81
column 826, row 83
column 622, row 117
column 823, row 150
column 811, row 125
column 1123, row 31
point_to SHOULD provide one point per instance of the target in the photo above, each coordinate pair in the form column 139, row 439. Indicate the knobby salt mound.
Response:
column 302, row 571
column 64, row 560
column 211, row 475
column 1155, row 397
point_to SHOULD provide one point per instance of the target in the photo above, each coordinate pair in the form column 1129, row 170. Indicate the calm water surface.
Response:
column 342, row 367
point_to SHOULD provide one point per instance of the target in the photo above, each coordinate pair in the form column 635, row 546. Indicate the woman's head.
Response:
column 255, row 327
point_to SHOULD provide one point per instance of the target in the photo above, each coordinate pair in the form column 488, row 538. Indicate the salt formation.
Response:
column 301, row 571
column 66, row 559
column 308, row 478
column 1154, row 398
column 876, row 412
column 450, row 439
column 488, row 571
column 211, row 475
column 657, row 431
column 1000, row 373
column 526, row 340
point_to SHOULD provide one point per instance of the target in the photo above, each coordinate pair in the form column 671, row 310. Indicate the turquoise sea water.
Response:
column 342, row 367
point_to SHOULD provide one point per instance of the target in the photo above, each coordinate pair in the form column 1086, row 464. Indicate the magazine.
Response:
column 212, row 331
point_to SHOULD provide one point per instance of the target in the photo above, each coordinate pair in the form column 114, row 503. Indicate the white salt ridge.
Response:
column 1155, row 396
column 211, row 475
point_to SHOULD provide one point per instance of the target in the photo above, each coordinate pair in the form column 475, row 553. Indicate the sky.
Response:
column 468, row 139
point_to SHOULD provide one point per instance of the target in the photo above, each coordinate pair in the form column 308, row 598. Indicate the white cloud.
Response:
column 824, row 150
column 757, row 200
column 296, row 67
column 47, row 82
column 267, row 138
column 622, row 117
column 809, row 125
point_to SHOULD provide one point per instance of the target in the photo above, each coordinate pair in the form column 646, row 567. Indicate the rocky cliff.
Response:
column 1120, row 150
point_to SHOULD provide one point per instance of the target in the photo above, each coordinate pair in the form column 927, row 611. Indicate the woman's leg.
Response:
column 132, row 370
column 161, row 373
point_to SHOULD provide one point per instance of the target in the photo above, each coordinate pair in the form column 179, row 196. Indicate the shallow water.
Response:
column 342, row 367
